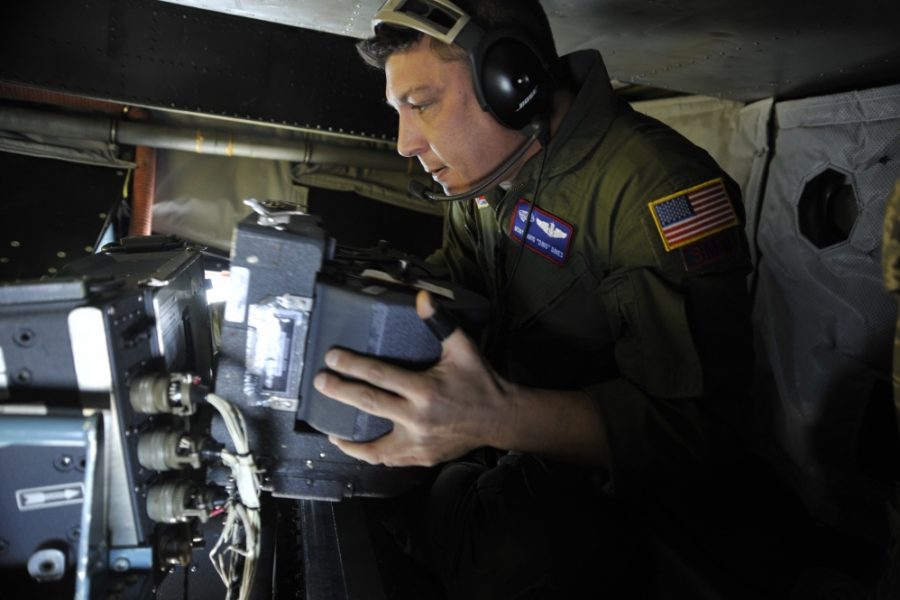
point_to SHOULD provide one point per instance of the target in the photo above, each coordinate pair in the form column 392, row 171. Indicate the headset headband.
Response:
column 438, row 18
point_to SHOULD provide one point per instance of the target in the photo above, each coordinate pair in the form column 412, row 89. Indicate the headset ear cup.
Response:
column 514, row 83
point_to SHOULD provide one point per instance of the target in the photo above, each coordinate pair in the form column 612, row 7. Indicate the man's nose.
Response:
column 410, row 141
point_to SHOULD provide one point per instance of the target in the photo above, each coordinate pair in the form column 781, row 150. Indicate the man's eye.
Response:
column 420, row 107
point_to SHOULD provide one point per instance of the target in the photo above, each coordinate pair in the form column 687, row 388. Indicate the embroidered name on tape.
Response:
column 693, row 214
column 547, row 234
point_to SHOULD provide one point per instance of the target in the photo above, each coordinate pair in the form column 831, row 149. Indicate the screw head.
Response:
column 121, row 564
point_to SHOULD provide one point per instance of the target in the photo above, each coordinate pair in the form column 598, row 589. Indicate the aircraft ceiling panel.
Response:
column 740, row 49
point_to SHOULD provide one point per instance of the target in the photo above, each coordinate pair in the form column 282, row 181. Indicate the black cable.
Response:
column 531, row 205
column 497, row 333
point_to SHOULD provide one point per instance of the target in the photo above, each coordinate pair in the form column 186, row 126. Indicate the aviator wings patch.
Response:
column 545, row 233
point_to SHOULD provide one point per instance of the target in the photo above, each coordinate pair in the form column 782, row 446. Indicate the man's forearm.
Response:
column 563, row 424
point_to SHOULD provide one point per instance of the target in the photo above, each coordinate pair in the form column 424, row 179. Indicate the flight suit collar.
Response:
column 584, row 126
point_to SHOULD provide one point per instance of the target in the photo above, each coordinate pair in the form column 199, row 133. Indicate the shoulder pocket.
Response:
column 654, row 348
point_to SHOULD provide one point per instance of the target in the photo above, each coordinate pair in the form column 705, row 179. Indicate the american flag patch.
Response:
column 693, row 214
column 481, row 202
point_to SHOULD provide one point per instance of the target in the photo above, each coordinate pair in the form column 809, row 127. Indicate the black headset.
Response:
column 512, row 79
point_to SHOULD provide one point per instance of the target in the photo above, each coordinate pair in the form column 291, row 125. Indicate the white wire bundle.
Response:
column 225, row 560
column 242, row 514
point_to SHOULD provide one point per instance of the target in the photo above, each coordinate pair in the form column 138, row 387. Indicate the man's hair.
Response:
column 525, row 17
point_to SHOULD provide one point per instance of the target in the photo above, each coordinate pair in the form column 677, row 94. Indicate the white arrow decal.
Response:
column 50, row 496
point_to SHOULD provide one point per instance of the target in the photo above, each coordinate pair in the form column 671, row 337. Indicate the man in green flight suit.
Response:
column 619, row 354
column 889, row 584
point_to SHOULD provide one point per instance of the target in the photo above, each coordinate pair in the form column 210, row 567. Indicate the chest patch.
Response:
column 481, row 202
column 545, row 234
column 693, row 214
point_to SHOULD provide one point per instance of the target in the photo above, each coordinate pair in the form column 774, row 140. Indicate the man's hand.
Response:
column 439, row 414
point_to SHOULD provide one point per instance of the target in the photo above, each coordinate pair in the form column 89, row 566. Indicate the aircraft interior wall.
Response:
column 824, row 319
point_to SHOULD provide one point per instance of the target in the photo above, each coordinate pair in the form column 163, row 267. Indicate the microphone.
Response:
column 420, row 190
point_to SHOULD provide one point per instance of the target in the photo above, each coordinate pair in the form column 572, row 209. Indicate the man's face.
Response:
column 441, row 122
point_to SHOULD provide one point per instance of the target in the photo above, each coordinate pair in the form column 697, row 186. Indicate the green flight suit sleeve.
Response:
column 683, row 342
column 891, row 266
column 890, row 259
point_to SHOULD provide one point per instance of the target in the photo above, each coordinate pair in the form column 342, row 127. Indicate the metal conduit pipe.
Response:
column 201, row 141
column 27, row 120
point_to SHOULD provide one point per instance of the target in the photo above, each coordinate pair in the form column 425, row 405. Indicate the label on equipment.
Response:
column 50, row 496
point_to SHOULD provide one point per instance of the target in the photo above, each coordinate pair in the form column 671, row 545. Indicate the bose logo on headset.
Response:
column 511, row 78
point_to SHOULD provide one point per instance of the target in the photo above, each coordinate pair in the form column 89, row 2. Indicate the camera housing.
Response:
column 295, row 293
